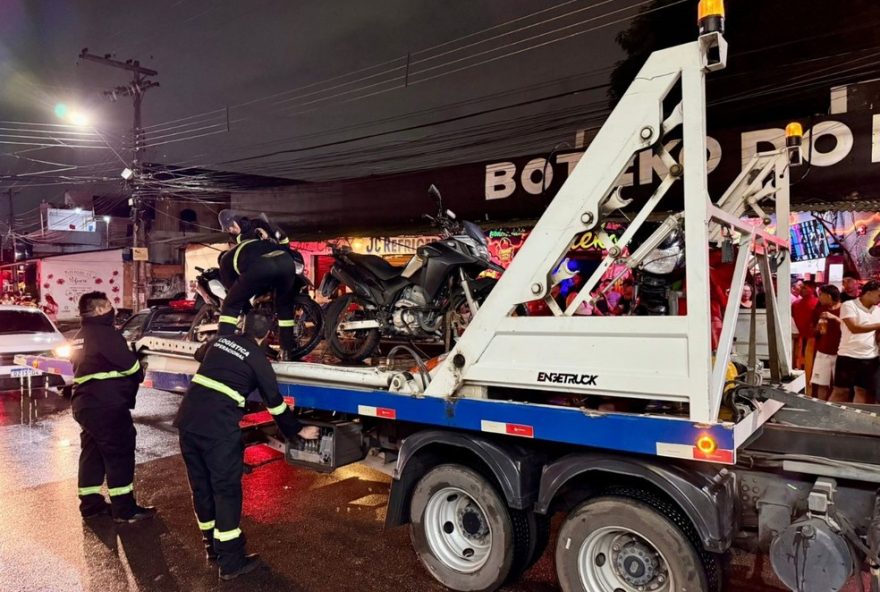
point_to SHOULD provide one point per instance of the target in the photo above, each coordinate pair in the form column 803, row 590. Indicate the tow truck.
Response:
column 630, row 427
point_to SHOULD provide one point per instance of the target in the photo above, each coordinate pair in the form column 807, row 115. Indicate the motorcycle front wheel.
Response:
column 349, row 346
column 308, row 326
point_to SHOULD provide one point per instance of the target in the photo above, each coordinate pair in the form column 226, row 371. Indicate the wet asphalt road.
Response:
column 316, row 532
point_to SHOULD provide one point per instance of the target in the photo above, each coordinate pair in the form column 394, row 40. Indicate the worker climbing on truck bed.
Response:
column 210, row 437
column 259, row 262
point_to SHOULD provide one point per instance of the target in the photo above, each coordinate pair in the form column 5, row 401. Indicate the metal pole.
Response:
column 140, row 83
column 137, row 275
column 12, row 225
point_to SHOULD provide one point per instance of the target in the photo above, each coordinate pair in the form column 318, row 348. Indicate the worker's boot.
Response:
column 94, row 510
column 251, row 562
column 210, row 552
column 233, row 560
column 131, row 513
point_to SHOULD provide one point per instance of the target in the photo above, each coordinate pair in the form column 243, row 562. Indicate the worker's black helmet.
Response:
column 227, row 217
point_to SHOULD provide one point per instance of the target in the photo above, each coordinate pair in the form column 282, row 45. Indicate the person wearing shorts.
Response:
column 858, row 358
column 827, row 341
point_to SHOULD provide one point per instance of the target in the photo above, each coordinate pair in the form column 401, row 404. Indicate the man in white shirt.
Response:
column 858, row 358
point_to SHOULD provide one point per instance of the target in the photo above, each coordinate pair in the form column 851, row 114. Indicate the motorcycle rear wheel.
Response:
column 349, row 346
column 207, row 315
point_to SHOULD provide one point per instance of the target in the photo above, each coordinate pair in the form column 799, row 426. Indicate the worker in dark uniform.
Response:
column 260, row 261
column 210, row 437
column 106, row 379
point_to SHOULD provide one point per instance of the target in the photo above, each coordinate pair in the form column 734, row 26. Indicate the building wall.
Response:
column 176, row 218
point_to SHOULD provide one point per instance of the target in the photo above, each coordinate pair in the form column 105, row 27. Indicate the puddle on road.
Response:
column 17, row 408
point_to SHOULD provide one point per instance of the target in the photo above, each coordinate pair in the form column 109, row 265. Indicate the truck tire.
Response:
column 621, row 542
column 464, row 533
column 540, row 536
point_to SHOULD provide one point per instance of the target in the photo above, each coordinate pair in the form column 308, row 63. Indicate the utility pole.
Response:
column 140, row 84
column 11, row 225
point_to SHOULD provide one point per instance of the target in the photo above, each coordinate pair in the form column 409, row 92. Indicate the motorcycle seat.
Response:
column 377, row 266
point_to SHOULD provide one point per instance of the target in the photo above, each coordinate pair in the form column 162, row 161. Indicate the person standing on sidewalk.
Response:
column 106, row 379
column 858, row 358
column 827, row 342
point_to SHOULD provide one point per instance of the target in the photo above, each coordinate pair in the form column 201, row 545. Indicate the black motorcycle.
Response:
column 432, row 298
column 307, row 314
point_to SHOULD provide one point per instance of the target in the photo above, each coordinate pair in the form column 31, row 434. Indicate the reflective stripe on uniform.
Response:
column 286, row 323
column 238, row 249
column 226, row 535
column 107, row 375
column 205, row 525
column 229, row 319
column 219, row 387
column 121, row 490
column 83, row 491
column 279, row 409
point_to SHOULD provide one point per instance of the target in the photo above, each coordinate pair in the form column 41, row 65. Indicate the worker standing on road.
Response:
column 210, row 437
column 260, row 261
column 106, row 378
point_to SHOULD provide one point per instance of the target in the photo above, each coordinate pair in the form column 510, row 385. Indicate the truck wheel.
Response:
column 464, row 533
column 613, row 544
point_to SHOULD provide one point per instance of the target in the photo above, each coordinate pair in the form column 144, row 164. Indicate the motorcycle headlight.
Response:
column 663, row 261
column 483, row 252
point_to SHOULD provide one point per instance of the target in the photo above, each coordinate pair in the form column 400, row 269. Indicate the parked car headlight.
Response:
column 62, row 351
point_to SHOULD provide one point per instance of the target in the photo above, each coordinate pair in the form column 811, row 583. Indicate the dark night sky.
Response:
column 215, row 54
column 297, row 74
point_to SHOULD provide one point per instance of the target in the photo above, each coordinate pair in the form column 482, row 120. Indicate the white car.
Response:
column 27, row 333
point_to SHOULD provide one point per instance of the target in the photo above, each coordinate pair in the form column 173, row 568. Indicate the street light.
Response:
column 80, row 119
column 127, row 173
column 76, row 117
column 107, row 219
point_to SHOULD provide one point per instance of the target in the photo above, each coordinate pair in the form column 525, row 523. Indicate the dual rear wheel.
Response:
column 626, row 540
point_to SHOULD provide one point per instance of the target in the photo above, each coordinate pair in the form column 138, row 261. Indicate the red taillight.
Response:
column 182, row 304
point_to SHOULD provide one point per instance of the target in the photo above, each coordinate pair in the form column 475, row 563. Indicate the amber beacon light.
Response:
column 711, row 16
column 794, row 134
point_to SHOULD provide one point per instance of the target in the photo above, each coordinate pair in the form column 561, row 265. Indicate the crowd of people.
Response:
column 836, row 342
column 610, row 301
column 17, row 299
